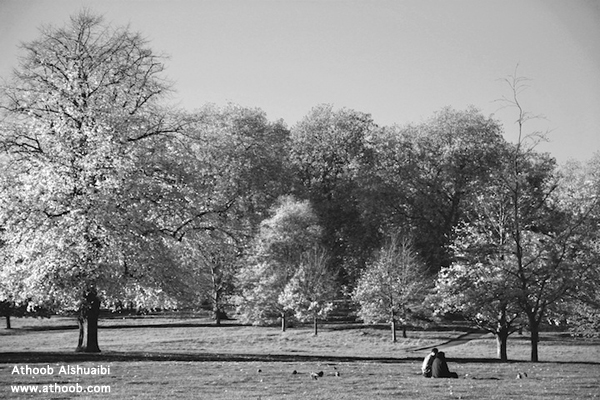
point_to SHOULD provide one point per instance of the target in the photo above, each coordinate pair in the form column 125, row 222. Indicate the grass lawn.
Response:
column 155, row 358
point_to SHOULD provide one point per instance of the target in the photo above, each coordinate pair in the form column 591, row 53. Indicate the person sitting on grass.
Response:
column 439, row 368
column 426, row 367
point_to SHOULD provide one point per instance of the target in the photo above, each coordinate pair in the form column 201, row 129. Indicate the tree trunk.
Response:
column 393, row 326
column 534, row 328
column 315, row 325
column 501, row 345
column 81, row 325
column 283, row 324
column 217, row 315
column 88, row 323
column 216, row 304
column 8, row 322
column 502, row 332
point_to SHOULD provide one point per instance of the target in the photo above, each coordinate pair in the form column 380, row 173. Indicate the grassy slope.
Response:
column 370, row 366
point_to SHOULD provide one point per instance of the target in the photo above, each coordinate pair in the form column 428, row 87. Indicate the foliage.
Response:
column 82, row 109
column 579, row 192
column 585, row 319
column 482, row 293
column 525, row 233
column 480, row 285
column 311, row 291
column 281, row 244
column 212, row 260
column 224, row 170
column 515, row 253
column 108, row 196
column 9, row 308
column 545, row 233
column 330, row 152
column 430, row 174
column 393, row 285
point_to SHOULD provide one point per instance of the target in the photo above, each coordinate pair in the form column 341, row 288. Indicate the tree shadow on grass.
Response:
column 111, row 356
column 73, row 326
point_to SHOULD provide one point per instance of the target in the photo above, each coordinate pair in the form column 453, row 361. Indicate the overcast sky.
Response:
column 398, row 60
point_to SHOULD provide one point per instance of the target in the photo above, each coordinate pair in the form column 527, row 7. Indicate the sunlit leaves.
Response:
column 392, row 286
column 311, row 291
column 277, row 255
column 79, row 102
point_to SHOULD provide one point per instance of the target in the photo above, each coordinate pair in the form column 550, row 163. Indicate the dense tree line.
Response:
column 109, row 195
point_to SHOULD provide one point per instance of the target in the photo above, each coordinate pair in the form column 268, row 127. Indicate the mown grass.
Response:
column 157, row 358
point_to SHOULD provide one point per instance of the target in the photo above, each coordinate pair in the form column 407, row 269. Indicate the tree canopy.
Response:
column 111, row 195
column 81, row 112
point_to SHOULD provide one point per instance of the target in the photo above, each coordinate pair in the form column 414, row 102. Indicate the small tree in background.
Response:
column 392, row 286
column 310, row 292
column 9, row 309
column 277, row 254
column 212, row 259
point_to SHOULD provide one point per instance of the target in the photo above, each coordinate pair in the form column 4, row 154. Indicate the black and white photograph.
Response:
column 299, row 199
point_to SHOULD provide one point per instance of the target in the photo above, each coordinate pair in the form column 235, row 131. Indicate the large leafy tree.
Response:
column 543, row 232
column 427, row 176
column 478, row 285
column 515, row 255
column 525, row 232
column 80, row 114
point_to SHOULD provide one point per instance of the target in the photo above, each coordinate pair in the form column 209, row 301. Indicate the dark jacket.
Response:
column 439, row 368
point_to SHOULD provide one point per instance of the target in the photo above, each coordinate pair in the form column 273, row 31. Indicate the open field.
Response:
column 190, row 358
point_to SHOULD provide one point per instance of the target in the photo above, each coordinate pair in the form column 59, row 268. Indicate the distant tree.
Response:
column 80, row 113
column 393, row 286
column 584, row 318
column 281, row 243
column 223, row 172
column 329, row 152
column 212, row 259
column 9, row 308
column 312, row 289
column 427, row 176
column 237, row 164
